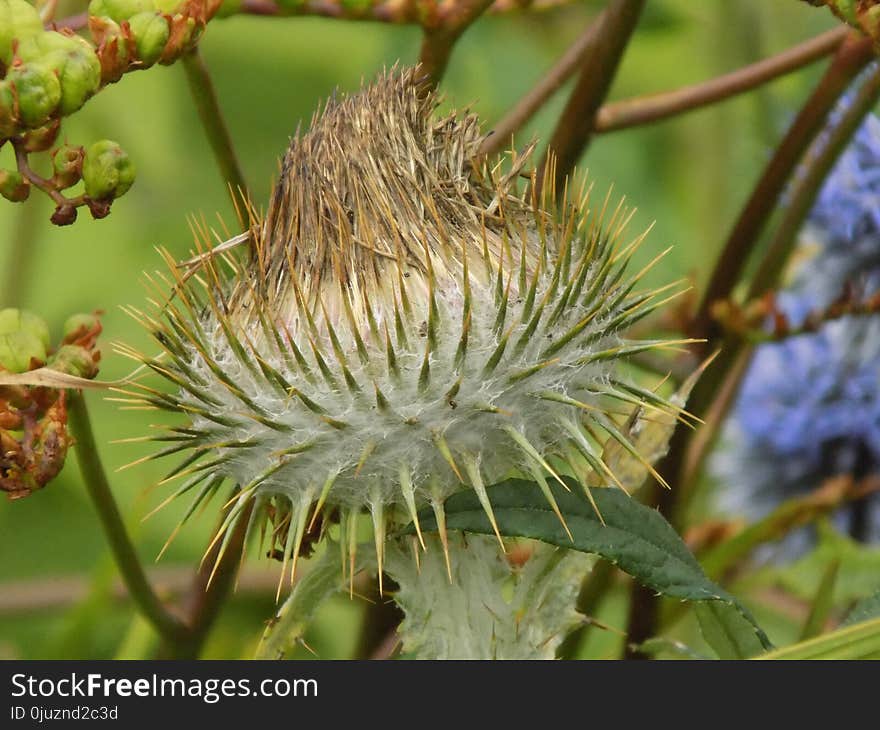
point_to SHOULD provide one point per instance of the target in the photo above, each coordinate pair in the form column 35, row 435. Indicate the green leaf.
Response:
column 864, row 610
column 322, row 580
column 728, row 631
column 635, row 538
column 859, row 641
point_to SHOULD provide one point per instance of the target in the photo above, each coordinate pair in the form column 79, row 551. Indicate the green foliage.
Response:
column 635, row 538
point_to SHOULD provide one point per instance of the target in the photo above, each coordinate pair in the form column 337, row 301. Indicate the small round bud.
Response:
column 67, row 166
column 13, row 186
column 24, row 339
column 64, row 215
column 8, row 115
column 38, row 90
column 150, row 31
column 79, row 325
column 74, row 61
column 19, row 20
column 108, row 172
column 42, row 138
column 119, row 10
column 74, row 360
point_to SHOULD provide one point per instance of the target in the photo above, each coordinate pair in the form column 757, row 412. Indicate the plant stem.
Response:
column 575, row 127
column 807, row 186
column 204, row 96
column 647, row 109
column 439, row 39
column 526, row 107
column 852, row 56
column 168, row 626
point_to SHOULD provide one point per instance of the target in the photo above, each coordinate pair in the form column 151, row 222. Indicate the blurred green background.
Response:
column 691, row 174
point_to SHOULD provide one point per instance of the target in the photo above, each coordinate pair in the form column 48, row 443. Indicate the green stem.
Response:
column 208, row 107
column 126, row 557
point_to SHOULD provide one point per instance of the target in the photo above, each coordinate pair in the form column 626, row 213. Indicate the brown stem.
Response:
column 851, row 57
column 439, row 39
column 646, row 109
column 526, row 107
column 575, row 127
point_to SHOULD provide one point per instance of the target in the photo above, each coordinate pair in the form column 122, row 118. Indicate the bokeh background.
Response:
column 59, row 594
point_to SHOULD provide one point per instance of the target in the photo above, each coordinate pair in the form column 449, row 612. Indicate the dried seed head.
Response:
column 411, row 322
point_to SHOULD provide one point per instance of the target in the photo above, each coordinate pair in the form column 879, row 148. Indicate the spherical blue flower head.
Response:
column 808, row 410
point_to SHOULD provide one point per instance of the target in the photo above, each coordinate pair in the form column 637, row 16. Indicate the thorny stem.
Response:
column 205, row 97
column 440, row 38
column 852, row 56
column 95, row 478
column 525, row 108
column 644, row 110
column 575, row 127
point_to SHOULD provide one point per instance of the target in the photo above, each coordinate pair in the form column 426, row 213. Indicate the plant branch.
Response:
column 575, row 127
column 167, row 625
column 644, row 110
column 562, row 70
column 208, row 107
column 440, row 37
column 852, row 56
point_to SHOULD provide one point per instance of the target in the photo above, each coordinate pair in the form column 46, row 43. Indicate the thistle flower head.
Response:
column 410, row 323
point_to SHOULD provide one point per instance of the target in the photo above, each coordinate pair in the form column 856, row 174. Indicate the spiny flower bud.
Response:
column 150, row 31
column 107, row 170
column 24, row 340
column 67, row 163
column 13, row 186
column 37, row 90
column 19, row 20
column 410, row 323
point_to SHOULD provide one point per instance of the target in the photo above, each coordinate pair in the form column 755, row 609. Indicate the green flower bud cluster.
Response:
column 33, row 419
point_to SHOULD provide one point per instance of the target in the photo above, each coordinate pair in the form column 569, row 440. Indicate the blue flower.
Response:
column 809, row 407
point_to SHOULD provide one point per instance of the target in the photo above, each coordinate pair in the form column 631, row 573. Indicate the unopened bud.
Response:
column 67, row 163
column 13, row 186
column 75, row 360
column 24, row 339
column 38, row 90
column 119, row 10
column 19, row 20
column 64, row 215
column 42, row 138
column 108, row 172
column 8, row 116
column 150, row 31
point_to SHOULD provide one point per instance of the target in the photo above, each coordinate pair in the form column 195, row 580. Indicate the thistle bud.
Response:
column 13, row 186
column 67, row 163
column 38, row 91
column 107, row 171
column 150, row 31
column 41, row 139
column 24, row 340
column 410, row 323
column 19, row 20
